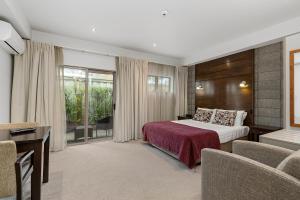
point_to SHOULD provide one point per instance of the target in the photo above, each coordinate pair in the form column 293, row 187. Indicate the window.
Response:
column 159, row 84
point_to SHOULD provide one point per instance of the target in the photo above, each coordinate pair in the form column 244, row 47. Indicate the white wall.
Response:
column 97, row 50
column 5, row 85
column 290, row 43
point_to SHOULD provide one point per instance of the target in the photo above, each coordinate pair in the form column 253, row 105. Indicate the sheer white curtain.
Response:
column 181, row 90
column 161, row 94
column 131, row 99
column 37, row 91
column 59, row 117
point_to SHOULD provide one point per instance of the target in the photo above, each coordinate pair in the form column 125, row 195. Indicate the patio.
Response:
column 77, row 136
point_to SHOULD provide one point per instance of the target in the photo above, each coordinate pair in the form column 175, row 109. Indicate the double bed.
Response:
column 223, row 86
column 184, row 139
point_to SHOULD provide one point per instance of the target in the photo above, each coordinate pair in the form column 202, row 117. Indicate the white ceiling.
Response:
column 191, row 25
column 11, row 12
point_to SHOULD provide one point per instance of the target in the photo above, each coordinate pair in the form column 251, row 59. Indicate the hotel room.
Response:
column 154, row 100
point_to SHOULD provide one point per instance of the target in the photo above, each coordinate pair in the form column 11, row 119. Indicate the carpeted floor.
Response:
column 111, row 171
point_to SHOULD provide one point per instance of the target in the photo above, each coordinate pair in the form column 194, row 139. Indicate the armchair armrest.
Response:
column 227, row 176
column 264, row 153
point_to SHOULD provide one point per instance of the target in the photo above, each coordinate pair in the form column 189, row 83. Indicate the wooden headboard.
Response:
column 219, row 81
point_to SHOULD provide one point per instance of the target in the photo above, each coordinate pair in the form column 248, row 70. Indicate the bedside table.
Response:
column 187, row 116
column 258, row 130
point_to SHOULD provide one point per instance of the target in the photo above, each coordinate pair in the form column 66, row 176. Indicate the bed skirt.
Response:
column 224, row 147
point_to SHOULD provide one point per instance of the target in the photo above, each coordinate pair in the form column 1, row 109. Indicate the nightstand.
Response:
column 187, row 116
column 258, row 130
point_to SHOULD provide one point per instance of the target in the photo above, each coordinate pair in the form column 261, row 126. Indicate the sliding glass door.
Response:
column 89, row 104
column 100, row 108
column 75, row 85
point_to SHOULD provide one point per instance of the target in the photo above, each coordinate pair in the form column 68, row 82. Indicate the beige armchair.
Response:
column 14, row 172
column 254, row 171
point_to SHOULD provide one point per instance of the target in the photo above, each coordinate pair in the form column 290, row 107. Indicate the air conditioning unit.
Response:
column 10, row 40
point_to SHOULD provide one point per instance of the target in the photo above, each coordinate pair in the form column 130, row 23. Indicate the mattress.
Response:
column 225, row 133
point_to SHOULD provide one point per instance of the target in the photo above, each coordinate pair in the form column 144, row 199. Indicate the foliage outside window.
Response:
column 100, row 99
column 100, row 102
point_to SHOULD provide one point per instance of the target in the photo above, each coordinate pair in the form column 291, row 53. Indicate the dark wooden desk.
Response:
column 38, row 142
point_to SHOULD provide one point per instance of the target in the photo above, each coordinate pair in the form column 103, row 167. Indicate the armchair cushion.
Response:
column 291, row 165
column 227, row 176
column 264, row 153
column 8, row 157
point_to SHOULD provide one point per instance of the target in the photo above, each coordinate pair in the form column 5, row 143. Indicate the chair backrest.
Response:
column 19, row 125
column 291, row 165
column 106, row 122
column 8, row 157
column 111, row 121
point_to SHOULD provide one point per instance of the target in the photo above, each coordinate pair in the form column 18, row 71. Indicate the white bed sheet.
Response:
column 226, row 133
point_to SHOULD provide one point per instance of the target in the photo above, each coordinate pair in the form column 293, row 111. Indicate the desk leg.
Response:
column 36, row 178
column 46, row 160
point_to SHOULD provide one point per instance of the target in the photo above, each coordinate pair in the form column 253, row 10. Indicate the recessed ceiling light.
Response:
column 94, row 29
column 154, row 45
column 164, row 13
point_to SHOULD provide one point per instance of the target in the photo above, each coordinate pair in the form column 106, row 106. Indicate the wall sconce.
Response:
column 243, row 84
column 199, row 86
column 228, row 63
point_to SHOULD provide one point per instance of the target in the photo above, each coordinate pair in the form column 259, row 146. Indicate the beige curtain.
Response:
column 131, row 99
column 37, row 92
column 181, row 90
column 59, row 117
column 161, row 103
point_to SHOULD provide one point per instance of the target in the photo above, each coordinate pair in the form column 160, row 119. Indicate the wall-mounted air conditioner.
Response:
column 10, row 40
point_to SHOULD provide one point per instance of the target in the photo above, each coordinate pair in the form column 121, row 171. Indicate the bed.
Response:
column 221, row 88
column 184, row 139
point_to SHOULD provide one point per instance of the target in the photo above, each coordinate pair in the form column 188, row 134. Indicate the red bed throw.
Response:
column 184, row 141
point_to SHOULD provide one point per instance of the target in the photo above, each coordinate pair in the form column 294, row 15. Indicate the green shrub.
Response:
column 100, row 102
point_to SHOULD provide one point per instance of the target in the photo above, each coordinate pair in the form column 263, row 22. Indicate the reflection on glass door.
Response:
column 75, row 83
column 100, row 109
column 94, row 119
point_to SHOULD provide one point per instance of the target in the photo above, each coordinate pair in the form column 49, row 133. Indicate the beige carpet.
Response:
column 111, row 171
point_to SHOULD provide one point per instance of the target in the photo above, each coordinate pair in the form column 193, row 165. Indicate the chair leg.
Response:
column 19, row 182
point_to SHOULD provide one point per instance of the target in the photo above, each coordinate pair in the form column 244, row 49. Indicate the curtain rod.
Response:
column 109, row 55
column 97, row 53
column 92, row 52
column 85, row 51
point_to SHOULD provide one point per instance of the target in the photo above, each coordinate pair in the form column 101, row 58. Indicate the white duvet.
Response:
column 226, row 133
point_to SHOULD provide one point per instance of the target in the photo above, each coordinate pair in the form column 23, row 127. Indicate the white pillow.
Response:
column 213, row 115
column 240, row 117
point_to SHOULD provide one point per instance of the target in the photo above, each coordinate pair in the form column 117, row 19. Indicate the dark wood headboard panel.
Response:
column 221, row 80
